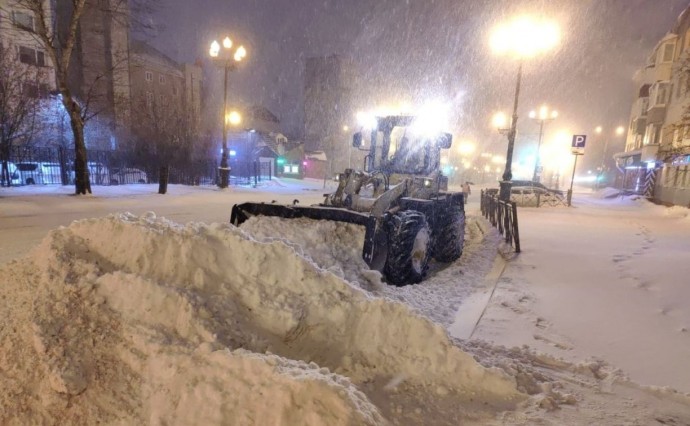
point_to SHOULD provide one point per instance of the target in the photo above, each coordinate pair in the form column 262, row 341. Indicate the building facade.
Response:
column 330, row 83
column 18, row 45
column 99, row 72
column 161, row 87
column 656, row 160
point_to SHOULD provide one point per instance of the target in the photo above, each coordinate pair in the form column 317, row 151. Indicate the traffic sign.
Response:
column 578, row 147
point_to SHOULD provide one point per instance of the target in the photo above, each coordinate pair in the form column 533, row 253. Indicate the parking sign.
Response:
column 578, row 147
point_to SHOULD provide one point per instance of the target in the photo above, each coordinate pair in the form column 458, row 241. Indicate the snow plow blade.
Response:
column 374, row 241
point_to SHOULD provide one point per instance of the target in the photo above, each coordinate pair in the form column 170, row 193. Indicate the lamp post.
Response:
column 542, row 118
column 521, row 38
column 228, row 60
column 620, row 130
column 349, row 147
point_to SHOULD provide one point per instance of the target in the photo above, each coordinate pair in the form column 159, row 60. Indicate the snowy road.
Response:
column 606, row 279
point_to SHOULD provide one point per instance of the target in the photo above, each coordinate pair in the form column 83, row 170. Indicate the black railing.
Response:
column 502, row 215
column 55, row 165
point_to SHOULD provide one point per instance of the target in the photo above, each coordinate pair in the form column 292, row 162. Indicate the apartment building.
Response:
column 329, row 95
column 157, row 81
column 656, row 160
column 99, row 74
column 18, row 44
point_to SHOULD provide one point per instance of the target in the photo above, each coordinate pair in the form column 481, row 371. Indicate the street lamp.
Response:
column 346, row 129
column 620, row 130
column 522, row 38
column 228, row 58
column 542, row 117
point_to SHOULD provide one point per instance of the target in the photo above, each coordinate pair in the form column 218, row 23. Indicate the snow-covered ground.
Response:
column 167, row 314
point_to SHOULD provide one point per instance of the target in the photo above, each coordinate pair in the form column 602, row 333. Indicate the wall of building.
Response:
column 658, row 120
column 330, row 87
column 14, row 36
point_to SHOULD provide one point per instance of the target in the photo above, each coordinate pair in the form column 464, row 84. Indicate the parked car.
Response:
column 534, row 196
column 13, row 174
column 99, row 174
column 127, row 175
column 532, row 184
column 31, row 173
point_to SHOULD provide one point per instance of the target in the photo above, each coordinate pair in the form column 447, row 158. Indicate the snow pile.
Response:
column 314, row 240
column 607, row 192
column 137, row 320
column 337, row 247
column 679, row 212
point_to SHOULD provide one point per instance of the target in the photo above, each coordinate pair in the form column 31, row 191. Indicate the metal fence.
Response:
column 250, row 172
column 502, row 215
column 48, row 165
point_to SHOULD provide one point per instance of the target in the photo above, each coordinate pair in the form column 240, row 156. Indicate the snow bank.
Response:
column 607, row 192
column 138, row 320
column 679, row 212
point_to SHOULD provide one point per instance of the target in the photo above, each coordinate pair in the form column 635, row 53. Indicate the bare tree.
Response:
column 60, row 41
column 20, row 88
column 166, row 135
column 60, row 53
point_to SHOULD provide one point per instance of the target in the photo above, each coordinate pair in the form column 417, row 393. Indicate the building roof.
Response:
column 142, row 48
column 261, row 113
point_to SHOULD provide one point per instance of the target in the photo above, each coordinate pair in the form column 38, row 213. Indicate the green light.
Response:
column 280, row 160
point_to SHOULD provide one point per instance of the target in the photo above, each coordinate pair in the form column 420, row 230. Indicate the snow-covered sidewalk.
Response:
column 607, row 278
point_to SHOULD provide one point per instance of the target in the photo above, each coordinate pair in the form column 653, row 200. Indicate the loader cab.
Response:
column 396, row 146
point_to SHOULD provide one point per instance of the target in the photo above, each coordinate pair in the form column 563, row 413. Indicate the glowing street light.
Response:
column 228, row 61
column 525, row 37
column 233, row 118
column 500, row 122
column 542, row 117
column 466, row 148
column 521, row 38
column 620, row 131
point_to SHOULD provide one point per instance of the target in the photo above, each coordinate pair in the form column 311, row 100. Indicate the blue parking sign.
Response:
column 578, row 147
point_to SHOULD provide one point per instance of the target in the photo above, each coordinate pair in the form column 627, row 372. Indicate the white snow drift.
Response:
column 138, row 320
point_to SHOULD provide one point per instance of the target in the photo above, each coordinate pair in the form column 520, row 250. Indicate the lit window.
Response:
column 659, row 94
column 286, row 168
column 295, row 169
column 149, row 76
column 667, row 52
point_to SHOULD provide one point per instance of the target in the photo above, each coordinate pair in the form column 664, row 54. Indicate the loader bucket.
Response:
column 374, row 246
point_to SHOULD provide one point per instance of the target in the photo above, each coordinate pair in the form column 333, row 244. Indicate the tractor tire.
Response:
column 408, row 248
column 450, row 234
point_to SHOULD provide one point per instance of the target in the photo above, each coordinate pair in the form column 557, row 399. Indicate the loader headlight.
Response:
column 427, row 183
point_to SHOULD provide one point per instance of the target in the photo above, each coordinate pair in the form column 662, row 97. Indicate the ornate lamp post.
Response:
column 228, row 59
column 521, row 38
column 542, row 117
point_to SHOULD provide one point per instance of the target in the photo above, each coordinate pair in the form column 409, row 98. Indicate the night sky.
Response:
column 422, row 49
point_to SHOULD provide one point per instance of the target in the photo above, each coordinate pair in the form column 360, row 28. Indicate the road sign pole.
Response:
column 572, row 179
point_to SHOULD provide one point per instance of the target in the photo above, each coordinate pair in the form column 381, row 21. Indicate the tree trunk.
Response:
column 5, row 174
column 163, row 175
column 82, row 184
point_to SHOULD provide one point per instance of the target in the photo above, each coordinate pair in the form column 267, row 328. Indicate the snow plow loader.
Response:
column 400, row 197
